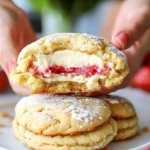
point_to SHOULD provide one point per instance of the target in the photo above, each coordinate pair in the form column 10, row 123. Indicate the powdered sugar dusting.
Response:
column 42, row 116
column 81, row 113
column 98, row 40
column 92, row 38
column 119, row 53
column 56, row 37
column 112, row 99
column 51, row 39
column 82, row 109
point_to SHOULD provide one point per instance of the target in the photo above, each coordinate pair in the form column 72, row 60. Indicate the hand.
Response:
column 15, row 33
column 130, row 32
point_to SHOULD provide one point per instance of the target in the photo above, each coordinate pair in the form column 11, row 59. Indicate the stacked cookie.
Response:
column 69, row 63
column 52, row 122
column 124, row 114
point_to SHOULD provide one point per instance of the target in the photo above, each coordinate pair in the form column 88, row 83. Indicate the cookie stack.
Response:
column 52, row 122
column 63, row 64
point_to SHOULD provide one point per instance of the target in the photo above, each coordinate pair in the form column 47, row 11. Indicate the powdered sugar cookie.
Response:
column 47, row 122
column 70, row 63
column 53, row 114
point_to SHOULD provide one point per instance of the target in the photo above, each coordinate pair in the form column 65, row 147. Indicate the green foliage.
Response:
column 70, row 8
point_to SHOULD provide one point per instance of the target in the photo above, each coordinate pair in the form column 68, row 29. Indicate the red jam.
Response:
column 87, row 71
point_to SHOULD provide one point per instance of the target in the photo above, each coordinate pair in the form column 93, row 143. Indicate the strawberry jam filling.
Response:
column 87, row 71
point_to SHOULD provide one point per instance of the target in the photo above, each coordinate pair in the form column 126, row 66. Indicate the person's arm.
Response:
column 15, row 33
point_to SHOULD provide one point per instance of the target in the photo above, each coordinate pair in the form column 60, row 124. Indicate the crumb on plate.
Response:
column 138, row 133
column 6, row 115
column 145, row 129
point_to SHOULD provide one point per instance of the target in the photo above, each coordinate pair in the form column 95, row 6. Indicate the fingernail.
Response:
column 10, row 66
column 122, row 39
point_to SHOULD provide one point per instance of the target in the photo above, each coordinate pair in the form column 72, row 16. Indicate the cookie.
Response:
column 70, row 63
column 46, row 122
column 126, row 128
column 53, row 114
column 121, row 108
column 125, row 115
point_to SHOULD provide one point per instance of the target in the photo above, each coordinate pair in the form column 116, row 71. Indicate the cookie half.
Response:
column 70, row 63
column 45, row 122
column 125, row 115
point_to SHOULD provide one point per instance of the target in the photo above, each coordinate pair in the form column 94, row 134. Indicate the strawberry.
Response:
column 142, row 79
column 87, row 71
column 3, row 81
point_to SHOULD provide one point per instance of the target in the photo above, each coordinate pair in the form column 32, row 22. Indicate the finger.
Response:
column 10, row 48
column 135, row 55
column 132, row 21
column 8, row 56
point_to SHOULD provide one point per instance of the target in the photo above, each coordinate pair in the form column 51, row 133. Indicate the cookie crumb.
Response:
column 145, row 129
column 138, row 133
column 5, row 115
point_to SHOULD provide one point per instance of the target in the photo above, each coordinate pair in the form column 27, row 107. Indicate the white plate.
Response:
column 140, row 99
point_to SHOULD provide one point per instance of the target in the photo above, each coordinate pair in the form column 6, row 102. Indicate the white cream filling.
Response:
column 91, row 82
column 68, row 59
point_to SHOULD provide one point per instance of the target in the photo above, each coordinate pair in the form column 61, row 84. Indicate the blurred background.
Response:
column 51, row 16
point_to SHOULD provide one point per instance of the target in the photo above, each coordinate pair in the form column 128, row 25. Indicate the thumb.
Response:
column 8, row 59
column 132, row 21
column 10, row 46
column 10, row 49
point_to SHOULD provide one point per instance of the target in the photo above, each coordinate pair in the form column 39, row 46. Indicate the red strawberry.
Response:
column 142, row 79
column 3, row 81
